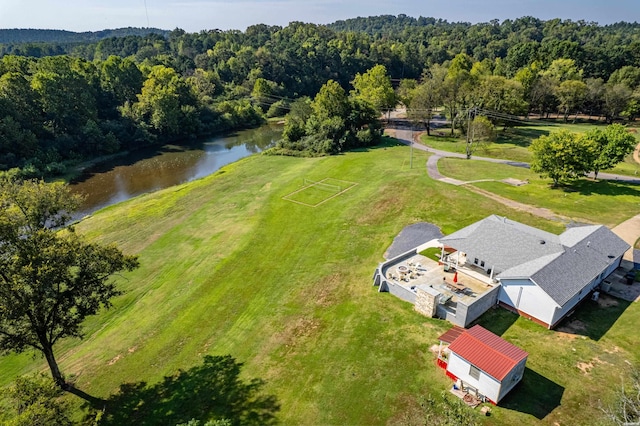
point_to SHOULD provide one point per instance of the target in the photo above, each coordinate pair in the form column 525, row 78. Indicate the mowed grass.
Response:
column 585, row 200
column 313, row 193
column 513, row 143
column 229, row 267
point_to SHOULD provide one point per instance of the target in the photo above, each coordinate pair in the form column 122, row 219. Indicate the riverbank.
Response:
column 121, row 177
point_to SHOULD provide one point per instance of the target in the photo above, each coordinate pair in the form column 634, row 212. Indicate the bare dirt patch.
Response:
column 298, row 331
column 386, row 206
column 606, row 301
column 323, row 291
column 114, row 360
column 573, row 327
column 615, row 350
column 585, row 367
column 514, row 182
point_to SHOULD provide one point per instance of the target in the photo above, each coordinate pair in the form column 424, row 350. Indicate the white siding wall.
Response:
column 471, row 258
column 527, row 297
column 486, row 385
column 512, row 379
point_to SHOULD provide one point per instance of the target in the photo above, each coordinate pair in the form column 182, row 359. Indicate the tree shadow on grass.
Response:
column 603, row 187
column 385, row 142
column 535, row 395
column 209, row 391
column 520, row 136
column 594, row 319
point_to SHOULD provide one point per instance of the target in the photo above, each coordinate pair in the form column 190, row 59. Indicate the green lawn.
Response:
column 512, row 144
column 229, row 267
column 606, row 202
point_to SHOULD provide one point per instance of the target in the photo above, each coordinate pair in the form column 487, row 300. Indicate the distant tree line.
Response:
column 30, row 35
column 124, row 92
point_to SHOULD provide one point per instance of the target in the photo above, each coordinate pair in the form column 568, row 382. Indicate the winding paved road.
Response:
column 628, row 230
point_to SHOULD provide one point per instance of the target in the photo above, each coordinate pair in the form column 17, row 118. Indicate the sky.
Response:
column 197, row 15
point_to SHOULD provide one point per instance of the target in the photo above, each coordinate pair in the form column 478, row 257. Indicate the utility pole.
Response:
column 469, row 141
column 411, row 161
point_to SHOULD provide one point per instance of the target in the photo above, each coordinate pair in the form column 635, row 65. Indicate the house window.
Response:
column 482, row 263
column 475, row 260
column 474, row 372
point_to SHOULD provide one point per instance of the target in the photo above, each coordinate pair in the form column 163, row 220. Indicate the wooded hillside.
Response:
column 123, row 92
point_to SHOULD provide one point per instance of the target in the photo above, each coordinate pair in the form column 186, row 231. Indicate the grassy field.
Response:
column 606, row 202
column 513, row 143
column 229, row 267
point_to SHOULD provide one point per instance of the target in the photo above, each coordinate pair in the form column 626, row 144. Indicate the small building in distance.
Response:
column 485, row 364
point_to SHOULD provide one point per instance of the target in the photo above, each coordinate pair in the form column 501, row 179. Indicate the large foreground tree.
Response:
column 51, row 279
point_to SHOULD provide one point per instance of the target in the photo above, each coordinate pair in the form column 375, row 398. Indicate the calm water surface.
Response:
column 153, row 169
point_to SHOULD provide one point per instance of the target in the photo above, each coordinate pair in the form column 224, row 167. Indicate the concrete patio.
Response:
column 424, row 271
column 423, row 282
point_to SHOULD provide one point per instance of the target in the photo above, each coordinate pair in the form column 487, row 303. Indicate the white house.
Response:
column 485, row 364
column 543, row 276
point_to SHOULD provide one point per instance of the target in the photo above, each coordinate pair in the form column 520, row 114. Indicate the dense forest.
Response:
column 62, row 101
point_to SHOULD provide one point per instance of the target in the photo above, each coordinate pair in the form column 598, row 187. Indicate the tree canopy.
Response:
column 329, row 124
column 612, row 144
column 63, row 102
column 562, row 156
column 51, row 279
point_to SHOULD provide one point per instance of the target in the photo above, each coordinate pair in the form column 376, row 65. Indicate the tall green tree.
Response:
column 426, row 97
column 457, row 87
column 616, row 99
column 374, row 87
column 166, row 102
column 613, row 144
column 500, row 94
column 51, row 279
column 121, row 79
column 480, row 131
column 571, row 95
column 66, row 96
column 562, row 156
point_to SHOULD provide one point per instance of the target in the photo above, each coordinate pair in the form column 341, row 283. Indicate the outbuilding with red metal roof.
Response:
column 485, row 364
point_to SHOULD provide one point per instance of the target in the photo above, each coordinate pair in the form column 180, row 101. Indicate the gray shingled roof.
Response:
column 566, row 275
column 503, row 243
column 561, row 266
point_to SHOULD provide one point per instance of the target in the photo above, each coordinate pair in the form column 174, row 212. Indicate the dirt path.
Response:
column 537, row 211
column 628, row 231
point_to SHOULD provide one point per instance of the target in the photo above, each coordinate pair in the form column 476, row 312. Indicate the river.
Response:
column 156, row 168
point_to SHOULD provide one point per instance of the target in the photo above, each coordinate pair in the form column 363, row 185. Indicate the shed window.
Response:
column 475, row 260
column 474, row 372
column 482, row 263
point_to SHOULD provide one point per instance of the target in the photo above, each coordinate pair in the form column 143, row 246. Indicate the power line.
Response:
column 146, row 11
